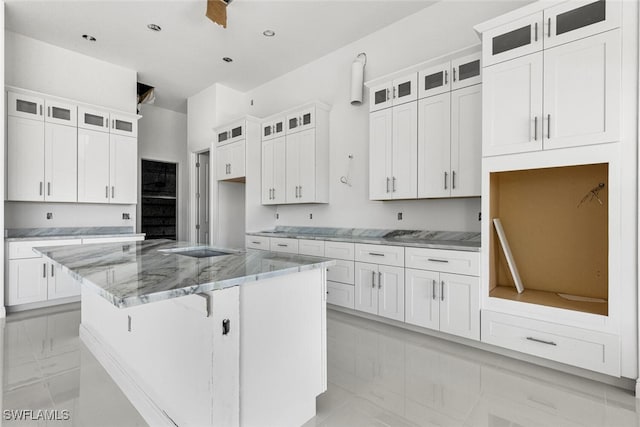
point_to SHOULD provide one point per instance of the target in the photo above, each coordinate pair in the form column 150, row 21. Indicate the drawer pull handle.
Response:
column 256, row 243
column 541, row 341
column 437, row 260
column 283, row 245
column 375, row 254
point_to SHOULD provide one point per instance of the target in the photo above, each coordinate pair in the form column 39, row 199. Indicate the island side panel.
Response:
column 171, row 359
column 282, row 348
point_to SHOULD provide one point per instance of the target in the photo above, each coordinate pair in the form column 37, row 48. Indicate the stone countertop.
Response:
column 134, row 273
column 450, row 240
column 72, row 236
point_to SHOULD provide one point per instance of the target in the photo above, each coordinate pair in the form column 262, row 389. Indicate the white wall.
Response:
column 162, row 136
column 435, row 31
column 35, row 65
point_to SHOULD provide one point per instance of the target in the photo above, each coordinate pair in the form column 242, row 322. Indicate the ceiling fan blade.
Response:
column 217, row 11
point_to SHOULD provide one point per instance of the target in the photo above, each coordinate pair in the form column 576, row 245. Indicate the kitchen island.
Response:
column 201, row 336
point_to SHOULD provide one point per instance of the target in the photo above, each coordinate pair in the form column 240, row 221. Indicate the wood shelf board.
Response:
column 549, row 299
column 557, row 246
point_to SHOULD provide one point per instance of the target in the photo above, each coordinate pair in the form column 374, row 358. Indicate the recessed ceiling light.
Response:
column 268, row 33
column 227, row 59
column 154, row 27
column 88, row 37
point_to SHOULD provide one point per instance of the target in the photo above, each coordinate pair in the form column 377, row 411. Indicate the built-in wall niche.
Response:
column 556, row 224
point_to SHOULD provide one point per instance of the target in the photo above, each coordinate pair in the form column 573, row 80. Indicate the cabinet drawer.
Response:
column 258, row 242
column 380, row 254
column 311, row 247
column 339, row 250
column 459, row 262
column 587, row 349
column 340, row 294
column 279, row 244
column 342, row 272
column 112, row 239
column 21, row 250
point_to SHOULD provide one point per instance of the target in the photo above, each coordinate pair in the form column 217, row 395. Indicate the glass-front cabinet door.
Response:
column 435, row 80
column 466, row 71
column 405, row 89
column 122, row 124
column 273, row 128
column 301, row 120
column 26, row 106
column 380, row 97
column 61, row 113
column 577, row 19
column 518, row 38
column 89, row 118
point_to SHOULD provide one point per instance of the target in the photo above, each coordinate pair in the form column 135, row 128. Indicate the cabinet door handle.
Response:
column 373, row 279
column 387, row 184
column 379, row 280
column 548, row 126
column 44, row 270
column 433, row 289
column 535, row 128
column 52, row 268
column 40, row 109
column 446, row 77
column 541, row 341
column 393, row 185
column 48, row 111
column 274, row 194
column 41, row 188
column 536, row 31
column 388, row 98
column 394, row 92
column 113, row 124
column 106, row 192
column 301, row 191
column 453, row 180
column 445, row 180
column 113, row 191
column 454, row 74
column 442, row 290
column 375, row 254
column 437, row 260
column 549, row 27
column 48, row 188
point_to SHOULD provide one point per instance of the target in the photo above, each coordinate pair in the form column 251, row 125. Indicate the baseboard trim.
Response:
column 120, row 374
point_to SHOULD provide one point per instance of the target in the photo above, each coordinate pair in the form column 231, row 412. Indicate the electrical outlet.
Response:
column 399, row 216
column 126, row 215
column 49, row 215
column 479, row 216
column 310, row 216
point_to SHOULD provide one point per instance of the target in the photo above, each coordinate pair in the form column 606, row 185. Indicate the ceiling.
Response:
column 186, row 56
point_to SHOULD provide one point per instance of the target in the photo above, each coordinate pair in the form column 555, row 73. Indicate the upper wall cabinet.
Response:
column 25, row 106
column 124, row 125
column 230, row 145
column 520, row 37
column 394, row 92
column 456, row 74
column 566, row 95
column 61, row 113
column 230, row 133
column 295, row 166
column 93, row 119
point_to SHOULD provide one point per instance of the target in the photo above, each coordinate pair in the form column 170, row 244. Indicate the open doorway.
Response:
column 158, row 208
column 202, row 195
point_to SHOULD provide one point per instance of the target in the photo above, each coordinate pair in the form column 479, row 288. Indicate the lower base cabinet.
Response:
column 379, row 289
column 442, row 301
column 340, row 294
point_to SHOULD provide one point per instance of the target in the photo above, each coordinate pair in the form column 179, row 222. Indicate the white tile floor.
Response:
column 378, row 376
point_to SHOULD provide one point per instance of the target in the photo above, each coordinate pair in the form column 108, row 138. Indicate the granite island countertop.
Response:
column 134, row 273
column 61, row 233
column 452, row 240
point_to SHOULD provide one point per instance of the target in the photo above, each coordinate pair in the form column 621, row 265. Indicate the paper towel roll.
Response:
column 357, row 77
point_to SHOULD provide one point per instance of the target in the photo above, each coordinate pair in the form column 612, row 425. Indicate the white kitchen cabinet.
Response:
column 340, row 294
column 231, row 133
column 434, row 146
column 125, row 125
column 273, row 171
column 257, row 242
column 93, row 119
column 466, row 141
column 62, row 113
column 25, row 159
column 519, row 37
column 443, row 301
column 123, row 162
column 283, row 244
column 93, row 166
column 379, row 289
column 450, row 75
column 311, row 247
column 61, row 284
column 466, row 71
column 273, row 128
column 512, row 106
column 60, row 163
column 295, row 168
column 25, row 106
column 393, row 150
column 435, row 80
column 27, row 281
column 394, row 92
column 582, row 91
column 301, row 167
column 231, row 160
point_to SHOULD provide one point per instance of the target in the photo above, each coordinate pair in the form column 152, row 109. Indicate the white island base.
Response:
column 176, row 364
